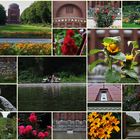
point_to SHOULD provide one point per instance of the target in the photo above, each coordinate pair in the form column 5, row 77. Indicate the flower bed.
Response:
column 25, row 49
column 104, row 125
column 31, row 126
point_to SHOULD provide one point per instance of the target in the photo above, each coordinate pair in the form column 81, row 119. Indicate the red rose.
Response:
column 70, row 32
column 28, row 129
column 41, row 135
column 46, row 134
column 21, row 129
column 33, row 118
column 34, row 132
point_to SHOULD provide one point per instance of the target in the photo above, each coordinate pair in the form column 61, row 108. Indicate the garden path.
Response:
column 24, row 40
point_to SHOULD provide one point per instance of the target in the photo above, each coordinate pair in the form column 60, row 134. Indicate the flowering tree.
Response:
column 30, row 128
column 69, row 42
column 113, row 55
column 104, row 125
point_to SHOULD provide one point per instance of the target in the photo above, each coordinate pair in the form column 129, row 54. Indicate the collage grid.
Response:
column 70, row 133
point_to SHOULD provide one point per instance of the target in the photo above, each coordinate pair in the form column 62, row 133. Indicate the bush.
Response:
column 134, row 16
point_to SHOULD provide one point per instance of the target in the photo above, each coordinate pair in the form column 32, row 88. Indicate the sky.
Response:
column 22, row 4
column 135, row 115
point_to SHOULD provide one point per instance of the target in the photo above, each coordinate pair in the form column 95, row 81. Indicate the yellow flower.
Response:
column 114, row 122
column 106, row 118
column 92, row 116
column 113, row 48
column 105, row 132
column 96, row 123
column 129, row 57
column 93, row 132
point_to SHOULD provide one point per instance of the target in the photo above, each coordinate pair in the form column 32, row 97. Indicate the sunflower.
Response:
column 96, row 123
column 114, row 122
column 106, row 118
column 92, row 116
column 112, row 48
column 129, row 57
column 93, row 133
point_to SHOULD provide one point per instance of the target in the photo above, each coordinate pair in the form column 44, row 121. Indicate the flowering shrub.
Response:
column 113, row 55
column 25, row 48
column 105, row 16
column 137, row 21
column 126, row 20
column 104, row 125
column 31, row 128
column 69, row 42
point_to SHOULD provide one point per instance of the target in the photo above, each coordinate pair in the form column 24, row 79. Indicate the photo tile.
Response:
column 131, row 17
column 69, row 125
column 24, row 30
column 69, row 14
column 131, row 97
column 69, row 42
column 113, row 56
column 8, row 125
column 131, row 121
column 104, row 125
column 34, row 125
column 104, row 14
column 104, row 97
column 8, row 69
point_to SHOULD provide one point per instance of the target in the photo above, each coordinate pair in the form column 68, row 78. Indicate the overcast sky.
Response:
column 135, row 115
column 5, row 113
column 22, row 4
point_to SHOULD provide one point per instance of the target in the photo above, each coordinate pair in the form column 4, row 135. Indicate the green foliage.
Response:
column 2, row 15
column 8, row 128
column 38, row 12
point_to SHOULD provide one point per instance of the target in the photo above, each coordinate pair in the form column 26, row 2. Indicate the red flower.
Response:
column 49, row 127
column 113, row 17
column 34, row 132
column 70, row 32
column 28, row 129
column 21, row 129
column 33, row 118
column 41, row 135
column 46, row 134
column 68, row 41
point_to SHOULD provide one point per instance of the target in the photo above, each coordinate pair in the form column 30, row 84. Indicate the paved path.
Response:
column 17, row 40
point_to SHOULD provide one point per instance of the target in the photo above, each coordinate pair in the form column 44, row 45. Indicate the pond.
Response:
column 64, row 135
column 52, row 97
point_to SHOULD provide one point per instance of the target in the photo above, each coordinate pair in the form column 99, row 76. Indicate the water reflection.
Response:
column 52, row 97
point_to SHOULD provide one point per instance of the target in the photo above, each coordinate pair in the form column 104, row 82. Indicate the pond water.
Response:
column 64, row 135
column 52, row 97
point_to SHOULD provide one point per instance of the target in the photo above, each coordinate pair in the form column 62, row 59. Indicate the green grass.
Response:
column 25, row 31
column 132, row 25
column 24, row 28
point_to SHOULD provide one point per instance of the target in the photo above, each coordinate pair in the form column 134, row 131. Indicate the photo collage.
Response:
column 69, row 69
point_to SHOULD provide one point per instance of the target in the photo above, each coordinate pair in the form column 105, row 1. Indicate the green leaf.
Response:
column 93, row 64
column 112, row 76
column 131, row 73
column 94, row 51
column 134, row 43
column 109, row 40
column 119, row 56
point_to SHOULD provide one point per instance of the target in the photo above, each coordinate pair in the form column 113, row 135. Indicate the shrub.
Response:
column 2, row 15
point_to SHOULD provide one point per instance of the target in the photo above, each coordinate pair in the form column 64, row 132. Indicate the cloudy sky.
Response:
column 5, row 113
column 22, row 4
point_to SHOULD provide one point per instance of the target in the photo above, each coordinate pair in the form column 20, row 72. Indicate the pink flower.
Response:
column 21, row 129
column 33, row 118
column 41, row 135
column 28, row 129
column 49, row 127
column 46, row 134
column 34, row 132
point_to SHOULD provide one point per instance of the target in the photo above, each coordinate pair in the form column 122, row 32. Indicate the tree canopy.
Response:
column 38, row 12
column 2, row 15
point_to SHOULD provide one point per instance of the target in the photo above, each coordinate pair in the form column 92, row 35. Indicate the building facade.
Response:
column 69, row 14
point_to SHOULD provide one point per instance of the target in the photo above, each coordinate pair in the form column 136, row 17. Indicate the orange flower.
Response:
column 113, row 48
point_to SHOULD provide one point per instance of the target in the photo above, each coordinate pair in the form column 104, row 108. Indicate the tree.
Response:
column 38, row 12
column 2, row 15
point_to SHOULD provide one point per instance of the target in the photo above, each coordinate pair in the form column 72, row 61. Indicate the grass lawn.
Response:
column 25, row 31
column 132, row 25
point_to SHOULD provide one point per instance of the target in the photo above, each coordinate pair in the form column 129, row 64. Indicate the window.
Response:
column 69, row 9
column 104, row 96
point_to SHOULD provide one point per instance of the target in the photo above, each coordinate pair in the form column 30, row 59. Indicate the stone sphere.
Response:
column 13, row 6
